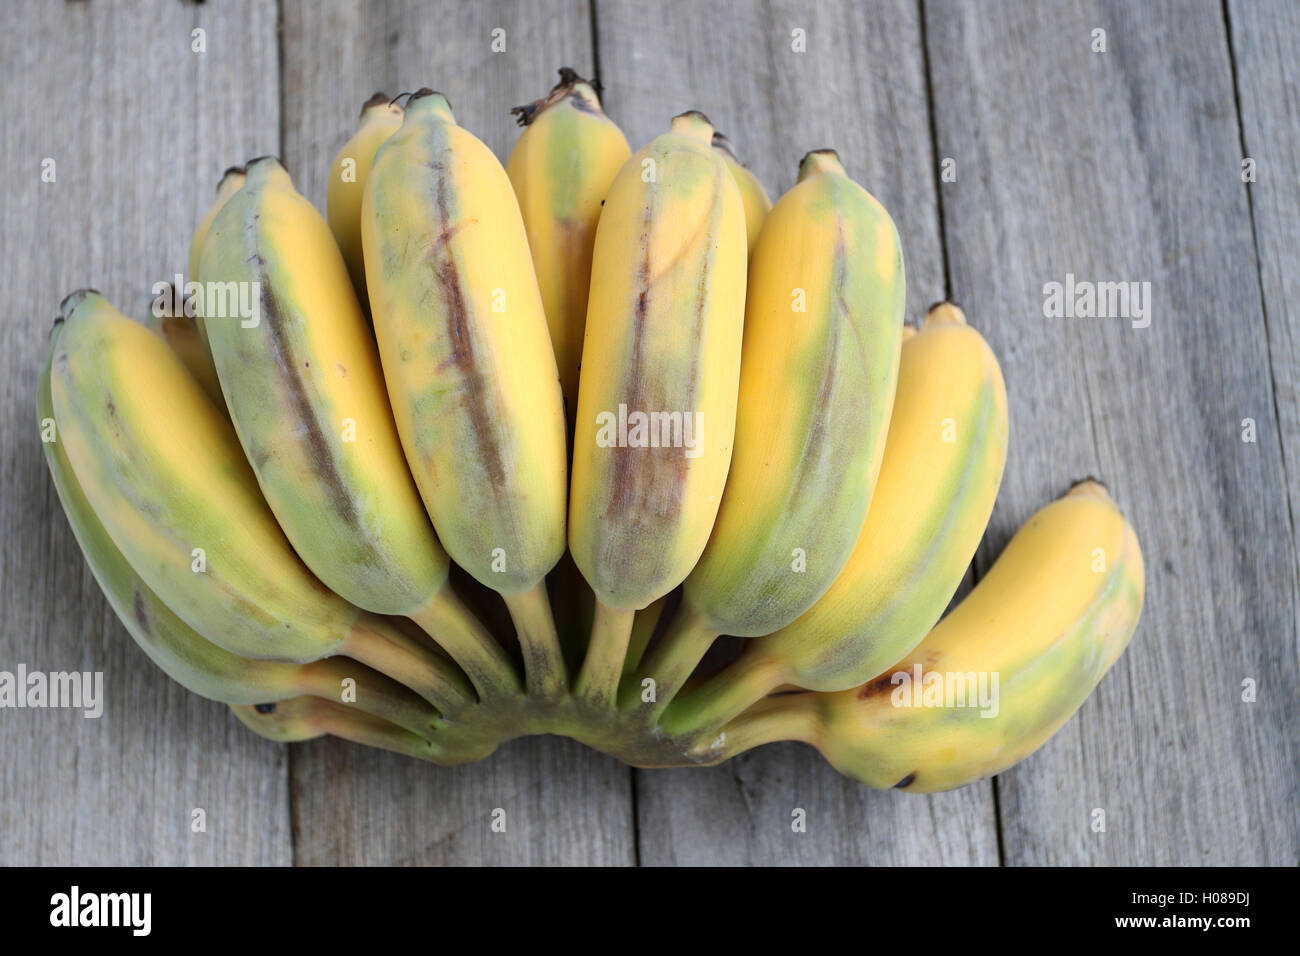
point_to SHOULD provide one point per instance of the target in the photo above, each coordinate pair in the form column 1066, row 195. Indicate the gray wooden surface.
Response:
column 1122, row 165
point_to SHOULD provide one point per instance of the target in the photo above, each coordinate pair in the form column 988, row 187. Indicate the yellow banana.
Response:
column 196, row 663
column 757, row 203
column 469, row 366
column 657, row 398
column 380, row 118
column 999, row 675
column 306, row 394
column 562, row 167
column 182, row 333
column 823, row 323
column 232, row 180
column 164, row 473
column 939, row 476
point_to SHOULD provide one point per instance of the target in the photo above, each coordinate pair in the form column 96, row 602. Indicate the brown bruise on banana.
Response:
column 141, row 613
column 460, row 336
column 658, row 489
column 286, row 364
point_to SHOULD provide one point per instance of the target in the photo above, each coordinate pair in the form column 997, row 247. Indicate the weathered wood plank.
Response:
column 859, row 87
column 1266, row 42
column 138, row 127
column 563, row 803
column 1125, row 165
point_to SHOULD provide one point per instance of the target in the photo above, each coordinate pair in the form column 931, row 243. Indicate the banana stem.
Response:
column 788, row 717
column 371, row 731
column 704, row 709
column 684, row 645
column 544, row 667
column 376, row 643
column 611, row 629
column 456, row 630
column 372, row 693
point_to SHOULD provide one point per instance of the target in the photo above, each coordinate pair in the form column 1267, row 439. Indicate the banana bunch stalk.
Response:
column 619, row 391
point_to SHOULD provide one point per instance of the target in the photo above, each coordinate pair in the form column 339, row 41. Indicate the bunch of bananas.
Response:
column 501, row 450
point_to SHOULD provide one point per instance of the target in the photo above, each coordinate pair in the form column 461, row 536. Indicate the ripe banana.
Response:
column 196, row 663
column 939, row 476
column 657, row 399
column 164, row 472
column 469, row 366
column 307, row 398
column 562, row 167
column 380, row 118
column 232, row 180
column 182, row 333
column 1040, row 630
column 757, row 203
column 823, row 324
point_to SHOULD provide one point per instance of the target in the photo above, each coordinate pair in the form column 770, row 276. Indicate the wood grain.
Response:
column 134, row 122
column 1125, row 165
column 564, row 804
column 860, row 88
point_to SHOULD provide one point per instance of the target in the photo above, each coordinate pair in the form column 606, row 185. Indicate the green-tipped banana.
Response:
column 380, row 118
column 823, row 323
column 199, row 665
column 561, row 168
column 757, row 203
column 939, row 477
column 998, row 676
column 165, row 474
column 306, row 394
column 469, row 366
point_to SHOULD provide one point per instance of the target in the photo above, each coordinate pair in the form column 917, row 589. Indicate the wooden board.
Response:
column 1125, row 165
column 564, row 803
column 139, row 127
column 858, row 87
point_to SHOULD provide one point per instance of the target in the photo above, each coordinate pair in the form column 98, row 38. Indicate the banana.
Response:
column 306, row 394
column 562, row 167
column 823, row 325
column 657, row 398
column 232, row 180
column 939, row 476
column 182, row 333
column 469, row 366
column 380, row 118
column 757, row 203
column 307, row 718
column 197, row 664
column 1041, row 629
column 164, row 473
